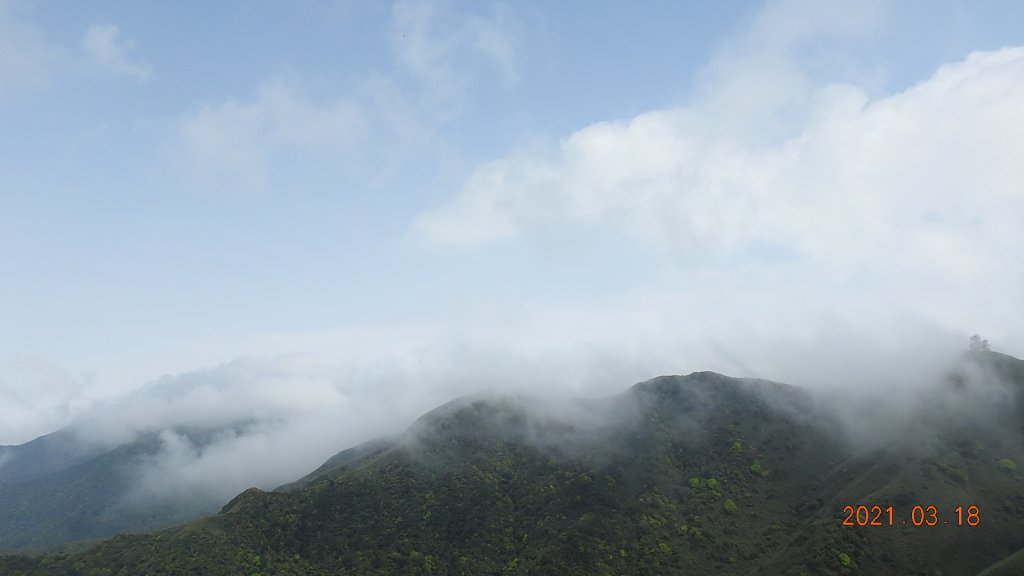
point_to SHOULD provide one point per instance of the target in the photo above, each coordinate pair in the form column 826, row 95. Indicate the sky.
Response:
column 332, row 216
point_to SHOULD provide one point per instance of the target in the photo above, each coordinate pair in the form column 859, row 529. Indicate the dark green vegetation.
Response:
column 58, row 489
column 701, row 474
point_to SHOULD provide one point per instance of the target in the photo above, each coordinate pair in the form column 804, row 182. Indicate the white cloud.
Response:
column 39, row 397
column 105, row 46
column 915, row 195
column 272, row 419
column 497, row 38
column 232, row 145
column 446, row 49
column 759, row 84
column 27, row 58
column 807, row 231
column 240, row 144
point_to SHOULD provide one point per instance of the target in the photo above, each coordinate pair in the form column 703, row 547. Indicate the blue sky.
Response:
column 426, row 198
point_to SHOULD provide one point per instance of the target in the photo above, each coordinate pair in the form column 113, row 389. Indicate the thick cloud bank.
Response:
column 913, row 197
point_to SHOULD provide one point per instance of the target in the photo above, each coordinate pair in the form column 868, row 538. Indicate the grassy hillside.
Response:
column 701, row 474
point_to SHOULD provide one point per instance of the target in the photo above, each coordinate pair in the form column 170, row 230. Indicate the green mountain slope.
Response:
column 702, row 474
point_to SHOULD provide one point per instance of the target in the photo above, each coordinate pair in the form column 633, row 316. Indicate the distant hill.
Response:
column 59, row 489
column 42, row 456
column 698, row 474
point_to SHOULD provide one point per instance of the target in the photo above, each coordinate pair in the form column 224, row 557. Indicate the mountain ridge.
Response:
column 700, row 473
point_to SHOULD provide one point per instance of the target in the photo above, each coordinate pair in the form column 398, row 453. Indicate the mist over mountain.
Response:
column 283, row 415
column 185, row 444
column 371, row 278
column 701, row 473
column 60, row 489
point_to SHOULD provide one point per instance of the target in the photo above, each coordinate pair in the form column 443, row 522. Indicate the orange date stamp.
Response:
column 919, row 516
